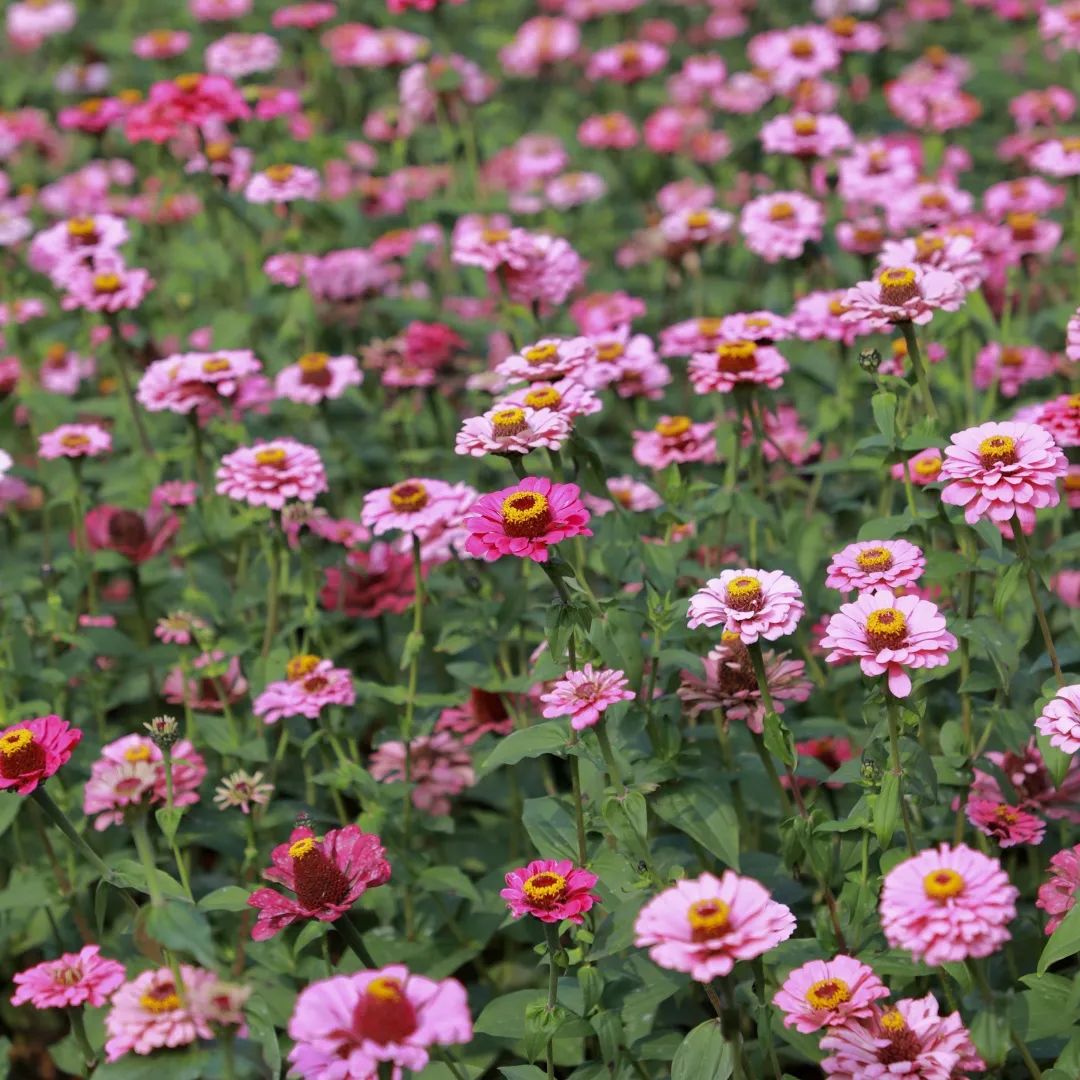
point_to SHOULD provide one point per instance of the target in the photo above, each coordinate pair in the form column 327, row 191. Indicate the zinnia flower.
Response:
column 947, row 904
column 525, row 520
column 888, row 633
column 212, row 682
column 311, row 685
column 675, row 440
column 1008, row 825
column 586, row 695
column 703, row 926
column 483, row 713
column 1060, row 720
column 1057, row 895
column 903, row 294
column 439, row 769
column 327, row 876
column 82, row 978
column 751, row 603
column 413, row 506
column 242, row 789
column 829, row 993
column 1002, row 470
column 512, row 429
column 271, row 473
column 317, row 377
column 893, row 564
column 551, row 891
column 30, row 752
column 345, row 1026
column 74, row 441
column 736, row 363
column 1061, row 417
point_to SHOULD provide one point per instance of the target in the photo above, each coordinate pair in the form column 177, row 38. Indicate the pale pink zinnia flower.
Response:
column 1008, row 825
column 568, row 397
column 525, row 520
column 414, row 506
column 870, row 564
column 704, row 925
column 947, row 904
column 585, row 695
column 828, row 993
column 1002, row 470
column 283, row 183
column 312, row 685
column 922, row 468
column 151, row 1012
column 1057, row 895
column 348, row 1025
column 1011, row 366
column 326, row 875
column 675, row 439
column 317, row 377
column 548, row 359
column 780, row 225
column 510, row 429
column 903, row 294
column 272, row 473
column 74, row 979
column 108, row 285
column 755, row 604
column 242, row 789
column 887, row 634
column 31, row 751
column 551, row 891
column 1060, row 720
column 74, row 441
column 737, row 363
column 439, row 768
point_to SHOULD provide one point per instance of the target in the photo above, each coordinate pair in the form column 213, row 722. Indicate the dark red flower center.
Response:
column 317, row 880
column 20, row 754
column 127, row 530
column 898, row 285
column 526, row 513
column 736, row 357
column 384, row 1014
column 545, row 890
column 315, row 369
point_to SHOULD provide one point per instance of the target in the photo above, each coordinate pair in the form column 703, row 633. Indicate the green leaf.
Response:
column 530, row 742
column 504, row 1016
column 228, row 898
column 883, row 404
column 550, row 828
column 627, row 817
column 1006, row 587
column 169, row 821
column 180, row 927
column 887, row 809
column 261, row 1029
column 448, row 879
column 704, row 812
column 522, row 1072
column 1064, row 941
column 704, row 1055
column 175, row 1064
column 1056, row 761
column 779, row 740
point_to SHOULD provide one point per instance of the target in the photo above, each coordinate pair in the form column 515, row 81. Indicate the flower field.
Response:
column 539, row 540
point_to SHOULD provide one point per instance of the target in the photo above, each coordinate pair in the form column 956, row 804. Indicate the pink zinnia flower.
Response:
column 947, row 904
column 161, row 44
column 212, row 681
column 311, row 685
column 82, row 978
column 805, row 134
column 327, row 876
column 525, row 520
column 1057, row 895
column 910, row 1039
column 1011, row 366
column 703, row 926
column 888, row 633
column 903, row 294
column 30, row 752
column 512, row 429
column 1060, row 720
column 730, row 684
column 871, row 564
column 74, row 441
column 828, row 993
column 414, row 506
column 439, row 769
column 151, row 1012
column 482, row 714
column 347, row 1025
column 737, row 363
column 108, row 285
column 551, row 891
column 1008, row 825
column 780, row 225
column 136, row 536
column 675, row 439
column 376, row 581
column 283, row 183
column 923, row 468
column 548, row 359
column 568, row 397
column 1030, row 785
column 1002, row 470
column 586, row 695
column 1061, row 418
column 318, row 377
column 270, row 473
column 755, row 604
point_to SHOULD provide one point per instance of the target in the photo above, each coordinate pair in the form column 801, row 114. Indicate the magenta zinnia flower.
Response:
column 1008, row 825
column 703, row 926
column 74, row 441
column 828, row 993
column 871, row 564
column 1002, row 470
column 271, row 473
column 1060, row 720
column 751, row 603
column 911, row 1039
column 328, row 876
column 524, row 520
column 311, row 685
column 347, row 1025
column 888, row 633
column 947, row 904
column 82, row 978
column 551, row 891
column 1057, row 895
column 585, row 695
column 32, row 751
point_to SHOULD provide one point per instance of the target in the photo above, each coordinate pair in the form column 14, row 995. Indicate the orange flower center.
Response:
column 274, row 456
column 20, row 754
column 1023, row 226
column 540, row 354
column 160, row 999
column 805, row 125
column 495, row 236
column 301, row 665
column 929, row 466
column 801, row 48
column 409, row 496
column 107, row 283
column 844, row 26
column 898, row 285
column 75, row 441
column 82, row 229
column 675, row 427
column 698, row 219
column 610, row 352
column 545, row 889
column 781, row 211
column 279, row 174
column 188, row 83
column 216, row 365
column 543, row 397
column 218, row 151
column 736, row 357
column 708, row 327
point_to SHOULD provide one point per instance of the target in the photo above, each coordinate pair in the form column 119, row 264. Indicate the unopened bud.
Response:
column 164, row 731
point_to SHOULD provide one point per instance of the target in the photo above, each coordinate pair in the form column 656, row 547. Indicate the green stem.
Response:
column 921, row 377
column 416, row 638
column 449, row 1062
column 579, row 809
column 614, row 774
column 517, row 463
column 60, row 820
column 551, row 935
column 892, row 705
column 348, row 930
column 78, row 1031
column 120, row 354
column 273, row 583
column 146, row 856
column 1024, row 551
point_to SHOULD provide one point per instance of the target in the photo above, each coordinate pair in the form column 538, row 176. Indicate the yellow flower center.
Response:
column 545, row 889
column 805, row 125
column 874, row 558
column 997, row 450
column 507, row 422
column 313, row 362
column 934, row 200
column 886, row 628
column 158, row 1002
column 495, row 236
column 1012, row 358
column 736, row 357
column 828, row 993
column 708, row 919
column 708, row 327
column 56, row 354
column 899, row 349
column 1023, row 226
column 610, row 352
column 943, row 884
column 188, row 83
column 15, row 741
column 930, row 466
column 75, row 441
column 279, row 174
column 216, row 365
column 927, row 246
column 675, row 427
column 1072, row 482
column 543, row 397
column 898, row 285
column 801, row 47
column 836, row 308
column 1071, row 145
column 844, row 26
column 137, row 753
column 274, row 457
column 697, row 219
column 300, row 665
column 540, row 354
column 1007, row 815
column 81, row 228
column 66, row 975
column 130, row 96
column 526, row 514
column 892, row 1021
column 107, row 283
column 301, row 848
column 218, row 151
column 409, row 496
column 781, row 211
column 385, row 988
